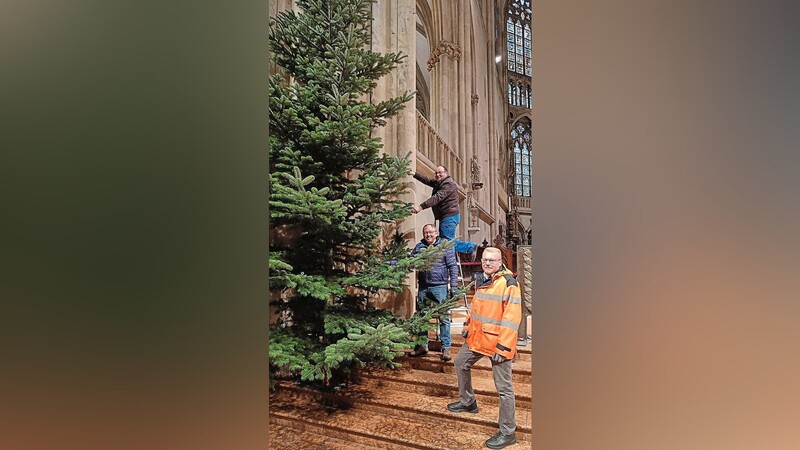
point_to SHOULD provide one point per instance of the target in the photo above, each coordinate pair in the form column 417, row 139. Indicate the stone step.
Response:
column 281, row 437
column 376, row 426
column 520, row 373
column 381, row 399
column 318, row 426
column 435, row 404
column 445, row 384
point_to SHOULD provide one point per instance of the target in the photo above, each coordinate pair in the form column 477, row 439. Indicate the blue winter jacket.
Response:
column 441, row 270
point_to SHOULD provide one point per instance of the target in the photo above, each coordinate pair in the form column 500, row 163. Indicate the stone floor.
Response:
column 399, row 409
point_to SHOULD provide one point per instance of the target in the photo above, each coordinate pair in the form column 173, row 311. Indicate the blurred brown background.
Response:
column 665, row 227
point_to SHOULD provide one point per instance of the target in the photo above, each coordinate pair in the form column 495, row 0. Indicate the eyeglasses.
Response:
column 489, row 260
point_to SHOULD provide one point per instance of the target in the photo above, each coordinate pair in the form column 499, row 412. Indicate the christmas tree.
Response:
column 333, row 196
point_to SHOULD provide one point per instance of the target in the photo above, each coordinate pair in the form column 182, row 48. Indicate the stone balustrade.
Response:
column 522, row 203
column 435, row 149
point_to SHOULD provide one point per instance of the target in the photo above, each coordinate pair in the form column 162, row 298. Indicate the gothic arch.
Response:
column 425, row 42
column 423, row 101
column 425, row 16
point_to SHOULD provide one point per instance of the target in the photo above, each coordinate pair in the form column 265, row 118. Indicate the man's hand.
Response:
column 498, row 358
column 464, row 332
column 415, row 209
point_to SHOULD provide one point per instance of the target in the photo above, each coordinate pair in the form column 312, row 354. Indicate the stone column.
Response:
column 394, row 30
column 467, row 147
column 444, row 69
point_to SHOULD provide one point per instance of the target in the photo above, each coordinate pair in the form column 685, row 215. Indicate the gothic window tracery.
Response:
column 518, row 37
column 519, row 94
column 521, row 139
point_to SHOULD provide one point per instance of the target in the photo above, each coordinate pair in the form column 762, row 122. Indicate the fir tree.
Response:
column 332, row 195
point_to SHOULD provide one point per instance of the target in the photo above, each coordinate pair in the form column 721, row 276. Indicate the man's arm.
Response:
column 424, row 179
column 452, row 266
column 512, row 314
column 427, row 181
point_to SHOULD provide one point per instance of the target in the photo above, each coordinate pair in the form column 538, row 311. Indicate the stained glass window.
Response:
column 521, row 137
column 518, row 31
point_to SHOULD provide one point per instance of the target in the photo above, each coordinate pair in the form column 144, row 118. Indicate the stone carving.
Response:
column 475, row 169
column 445, row 47
column 474, row 99
column 499, row 242
column 474, row 213
column 525, row 270
column 525, row 281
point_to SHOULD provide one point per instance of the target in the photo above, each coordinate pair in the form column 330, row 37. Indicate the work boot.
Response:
column 446, row 354
column 501, row 440
column 459, row 407
column 419, row 350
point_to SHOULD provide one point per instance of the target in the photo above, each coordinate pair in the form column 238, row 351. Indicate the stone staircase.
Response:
column 399, row 409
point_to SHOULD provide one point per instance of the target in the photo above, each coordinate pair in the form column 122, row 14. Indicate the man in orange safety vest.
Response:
column 491, row 330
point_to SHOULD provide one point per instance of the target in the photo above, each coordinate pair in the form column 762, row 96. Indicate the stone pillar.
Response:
column 394, row 30
column 467, row 148
column 444, row 70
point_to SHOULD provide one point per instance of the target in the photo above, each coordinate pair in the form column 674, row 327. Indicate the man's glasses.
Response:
column 489, row 260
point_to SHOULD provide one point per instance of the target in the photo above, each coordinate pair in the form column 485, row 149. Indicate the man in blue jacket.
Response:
column 434, row 283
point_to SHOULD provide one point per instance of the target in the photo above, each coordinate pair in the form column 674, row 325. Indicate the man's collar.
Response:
column 501, row 270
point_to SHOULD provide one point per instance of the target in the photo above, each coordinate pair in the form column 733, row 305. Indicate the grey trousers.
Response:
column 463, row 363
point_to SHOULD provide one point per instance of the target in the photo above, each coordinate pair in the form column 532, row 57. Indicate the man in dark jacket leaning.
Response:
column 443, row 202
column 434, row 283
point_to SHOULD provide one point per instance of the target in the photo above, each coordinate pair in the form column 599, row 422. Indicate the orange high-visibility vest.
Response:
column 494, row 316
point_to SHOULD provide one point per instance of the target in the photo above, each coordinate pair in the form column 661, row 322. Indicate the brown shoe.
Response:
column 446, row 355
